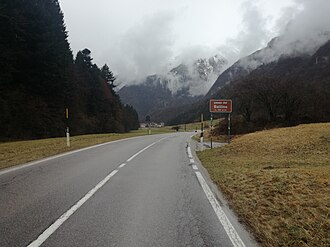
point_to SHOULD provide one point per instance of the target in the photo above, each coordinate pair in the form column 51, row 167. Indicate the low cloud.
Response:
column 145, row 49
column 302, row 35
column 252, row 36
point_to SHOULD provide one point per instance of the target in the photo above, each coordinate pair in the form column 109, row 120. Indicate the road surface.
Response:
column 145, row 191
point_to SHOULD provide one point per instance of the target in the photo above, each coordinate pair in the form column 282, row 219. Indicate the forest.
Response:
column 40, row 78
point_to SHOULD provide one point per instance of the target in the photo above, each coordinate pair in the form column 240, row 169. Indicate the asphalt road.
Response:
column 137, row 192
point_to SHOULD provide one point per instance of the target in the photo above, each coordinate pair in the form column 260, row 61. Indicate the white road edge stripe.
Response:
column 230, row 230
column 189, row 152
column 191, row 161
column 122, row 165
column 53, row 227
column 7, row 170
column 194, row 167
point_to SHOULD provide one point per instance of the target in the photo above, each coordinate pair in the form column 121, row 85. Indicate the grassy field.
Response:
column 14, row 153
column 197, row 125
column 278, row 182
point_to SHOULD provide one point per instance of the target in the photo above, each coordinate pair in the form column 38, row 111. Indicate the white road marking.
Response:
column 53, row 227
column 191, row 161
column 142, row 150
column 61, row 155
column 122, row 165
column 50, row 230
column 194, row 167
column 230, row 230
column 189, row 152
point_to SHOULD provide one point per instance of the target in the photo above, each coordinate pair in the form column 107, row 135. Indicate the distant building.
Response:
column 152, row 125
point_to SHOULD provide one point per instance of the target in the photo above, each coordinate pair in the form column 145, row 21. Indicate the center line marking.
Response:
column 142, row 150
column 50, row 230
column 53, row 227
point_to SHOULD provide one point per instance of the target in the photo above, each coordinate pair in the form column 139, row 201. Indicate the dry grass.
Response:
column 197, row 125
column 14, row 153
column 278, row 182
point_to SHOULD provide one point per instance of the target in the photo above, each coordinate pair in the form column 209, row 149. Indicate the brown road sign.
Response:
column 221, row 106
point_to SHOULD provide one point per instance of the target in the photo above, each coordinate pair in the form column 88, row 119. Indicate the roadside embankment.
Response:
column 278, row 182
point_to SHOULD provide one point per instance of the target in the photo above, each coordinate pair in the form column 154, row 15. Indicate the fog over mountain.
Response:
column 147, row 50
column 302, row 30
column 303, row 35
column 152, row 37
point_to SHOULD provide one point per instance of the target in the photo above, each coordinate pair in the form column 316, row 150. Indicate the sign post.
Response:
column 211, row 130
column 222, row 106
column 67, row 127
column 202, row 129
column 148, row 120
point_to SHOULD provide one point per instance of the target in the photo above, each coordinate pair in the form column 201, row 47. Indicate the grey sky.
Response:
column 141, row 37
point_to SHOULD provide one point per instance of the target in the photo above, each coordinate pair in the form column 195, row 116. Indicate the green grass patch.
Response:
column 278, row 182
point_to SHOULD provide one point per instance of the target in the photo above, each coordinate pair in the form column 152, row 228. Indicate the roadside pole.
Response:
column 202, row 129
column 211, row 130
column 67, row 127
column 148, row 120
column 229, row 128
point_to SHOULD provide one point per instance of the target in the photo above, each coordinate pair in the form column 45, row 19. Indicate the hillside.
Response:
column 278, row 183
column 163, row 96
column 284, row 88
column 154, row 95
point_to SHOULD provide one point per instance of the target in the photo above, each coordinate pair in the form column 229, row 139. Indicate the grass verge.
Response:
column 278, row 182
column 19, row 152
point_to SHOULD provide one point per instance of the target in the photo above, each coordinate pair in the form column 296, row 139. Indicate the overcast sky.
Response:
column 140, row 37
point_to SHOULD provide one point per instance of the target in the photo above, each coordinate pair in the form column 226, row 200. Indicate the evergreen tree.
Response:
column 39, row 79
column 108, row 76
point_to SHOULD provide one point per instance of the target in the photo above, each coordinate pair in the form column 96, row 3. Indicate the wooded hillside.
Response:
column 39, row 78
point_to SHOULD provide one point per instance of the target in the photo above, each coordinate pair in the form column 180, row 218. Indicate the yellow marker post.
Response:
column 67, row 128
column 202, row 129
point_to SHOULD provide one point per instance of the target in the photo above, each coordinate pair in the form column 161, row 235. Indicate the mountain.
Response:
column 161, row 96
column 266, row 84
column 279, row 48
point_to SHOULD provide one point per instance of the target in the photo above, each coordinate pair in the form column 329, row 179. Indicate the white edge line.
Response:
column 194, row 167
column 230, row 230
column 18, row 167
column 122, row 165
column 53, row 227
column 191, row 161
column 189, row 152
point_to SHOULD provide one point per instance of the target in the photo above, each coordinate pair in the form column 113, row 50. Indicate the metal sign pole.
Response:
column 229, row 128
column 211, row 130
